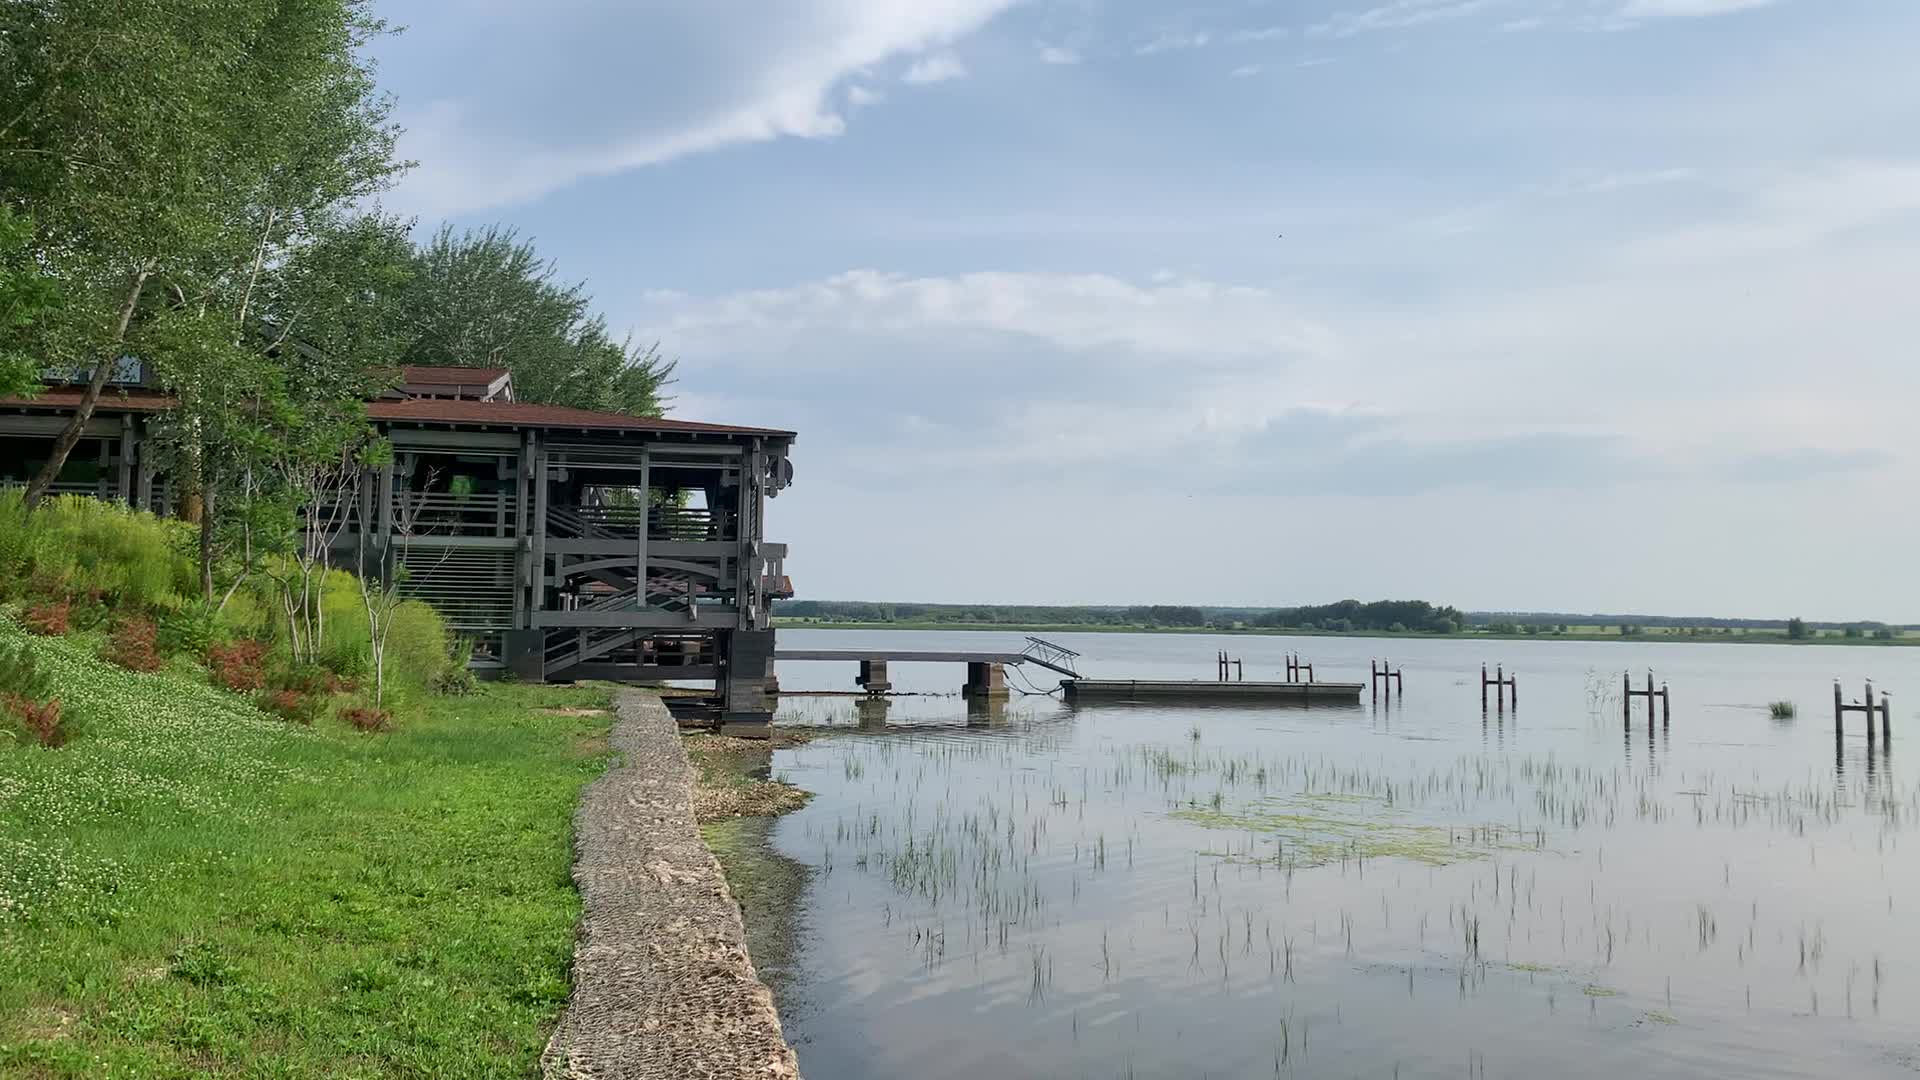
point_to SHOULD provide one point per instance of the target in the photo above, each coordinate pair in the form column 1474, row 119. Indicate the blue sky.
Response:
column 1530, row 304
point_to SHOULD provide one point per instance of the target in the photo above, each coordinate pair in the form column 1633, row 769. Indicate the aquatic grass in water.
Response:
column 1414, row 887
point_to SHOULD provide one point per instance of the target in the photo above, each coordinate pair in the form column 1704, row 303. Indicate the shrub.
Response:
column 51, row 618
column 290, row 705
column 367, row 719
column 20, row 673
column 457, row 678
column 240, row 666
column 311, row 680
column 134, row 645
column 137, row 559
column 190, row 630
column 1781, row 710
column 41, row 719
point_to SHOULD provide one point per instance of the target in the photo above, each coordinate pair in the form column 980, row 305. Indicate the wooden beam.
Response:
column 702, row 617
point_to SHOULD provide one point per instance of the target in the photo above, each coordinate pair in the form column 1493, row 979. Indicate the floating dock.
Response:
column 1195, row 690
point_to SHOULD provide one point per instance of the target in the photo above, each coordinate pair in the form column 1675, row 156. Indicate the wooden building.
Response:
column 565, row 543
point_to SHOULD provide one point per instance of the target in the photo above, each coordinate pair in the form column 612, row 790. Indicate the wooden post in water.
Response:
column 1383, row 672
column 1505, row 688
column 1883, row 706
column 1869, row 701
column 1628, row 693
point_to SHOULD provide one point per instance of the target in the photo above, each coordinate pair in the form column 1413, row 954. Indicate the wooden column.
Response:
column 522, row 554
column 646, row 522
column 143, row 485
column 127, row 443
column 537, row 601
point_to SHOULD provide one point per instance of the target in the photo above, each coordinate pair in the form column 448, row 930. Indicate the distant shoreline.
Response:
column 1682, row 637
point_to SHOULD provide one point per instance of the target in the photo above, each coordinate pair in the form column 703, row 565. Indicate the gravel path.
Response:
column 662, row 985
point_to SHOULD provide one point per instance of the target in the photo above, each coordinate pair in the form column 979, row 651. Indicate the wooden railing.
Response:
column 440, row 513
column 623, row 522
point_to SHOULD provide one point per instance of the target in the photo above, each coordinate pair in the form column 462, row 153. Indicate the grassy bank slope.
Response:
column 194, row 888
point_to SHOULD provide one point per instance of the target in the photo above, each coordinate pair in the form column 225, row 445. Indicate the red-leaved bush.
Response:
column 367, row 719
column 134, row 645
column 49, row 618
column 41, row 719
column 241, row 666
column 289, row 705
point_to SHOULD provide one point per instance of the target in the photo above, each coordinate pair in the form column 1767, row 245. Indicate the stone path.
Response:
column 662, row 985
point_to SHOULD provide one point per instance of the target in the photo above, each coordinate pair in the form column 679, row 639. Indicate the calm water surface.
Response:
column 1407, row 889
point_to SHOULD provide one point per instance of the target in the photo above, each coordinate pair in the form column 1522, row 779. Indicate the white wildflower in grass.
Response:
column 153, row 746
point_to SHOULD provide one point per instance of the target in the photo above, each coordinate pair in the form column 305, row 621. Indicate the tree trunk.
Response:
column 63, row 446
column 206, row 538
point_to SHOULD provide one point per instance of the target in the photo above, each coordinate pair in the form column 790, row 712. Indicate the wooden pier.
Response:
column 986, row 671
column 1189, row 690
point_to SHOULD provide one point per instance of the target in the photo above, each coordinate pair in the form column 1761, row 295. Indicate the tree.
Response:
column 26, row 296
column 172, row 151
column 1796, row 629
column 486, row 298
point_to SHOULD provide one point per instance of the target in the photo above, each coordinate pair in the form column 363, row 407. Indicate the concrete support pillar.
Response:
column 986, row 681
column 746, row 709
column 526, row 654
column 872, row 711
column 873, row 676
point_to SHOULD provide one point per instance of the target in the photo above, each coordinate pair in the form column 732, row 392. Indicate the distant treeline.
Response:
column 1344, row 616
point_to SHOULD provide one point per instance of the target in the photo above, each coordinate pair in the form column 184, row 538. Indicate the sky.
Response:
column 1569, row 305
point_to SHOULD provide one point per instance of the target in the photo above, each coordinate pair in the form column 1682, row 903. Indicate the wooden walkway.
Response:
column 1194, row 690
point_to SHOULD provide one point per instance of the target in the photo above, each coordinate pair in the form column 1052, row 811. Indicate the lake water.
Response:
column 1403, row 889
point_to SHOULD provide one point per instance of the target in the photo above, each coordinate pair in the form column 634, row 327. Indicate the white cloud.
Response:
column 1174, row 42
column 1258, row 34
column 1192, row 323
column 1592, row 183
column 1681, row 9
column 643, row 83
column 940, row 67
column 1400, row 14
column 1055, row 54
column 1795, row 211
column 861, row 97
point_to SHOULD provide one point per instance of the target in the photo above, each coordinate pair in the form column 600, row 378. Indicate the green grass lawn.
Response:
column 191, row 888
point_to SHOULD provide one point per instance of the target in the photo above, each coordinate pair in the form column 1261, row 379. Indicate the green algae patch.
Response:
column 1314, row 829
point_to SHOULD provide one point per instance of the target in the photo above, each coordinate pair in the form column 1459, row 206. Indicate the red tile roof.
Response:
column 424, row 411
column 522, row 414
column 450, row 376
column 134, row 399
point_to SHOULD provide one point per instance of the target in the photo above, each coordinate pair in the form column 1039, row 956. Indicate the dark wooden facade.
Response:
column 567, row 544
